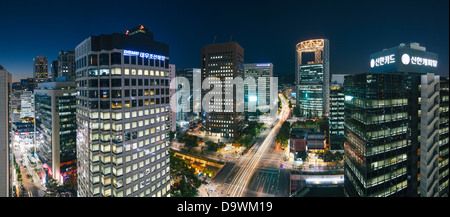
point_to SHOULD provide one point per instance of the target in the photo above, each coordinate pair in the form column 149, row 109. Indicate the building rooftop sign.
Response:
column 404, row 58
column 143, row 55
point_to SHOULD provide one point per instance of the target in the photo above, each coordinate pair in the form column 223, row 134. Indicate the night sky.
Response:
column 267, row 30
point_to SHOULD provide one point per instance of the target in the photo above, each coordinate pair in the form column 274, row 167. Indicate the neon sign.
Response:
column 384, row 60
column 406, row 60
column 143, row 55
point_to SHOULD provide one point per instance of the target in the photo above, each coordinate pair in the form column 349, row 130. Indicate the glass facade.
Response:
column 257, row 71
column 336, row 118
column 376, row 129
column 67, row 132
column 312, row 78
column 44, row 128
column 56, row 128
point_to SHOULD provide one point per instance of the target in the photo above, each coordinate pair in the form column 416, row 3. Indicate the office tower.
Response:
column 5, row 131
column 27, row 104
column 376, row 135
column 336, row 119
column 55, row 127
column 312, row 77
column 184, row 95
column 122, row 115
column 443, row 137
column 263, row 72
column 392, row 125
column 66, row 65
column 40, row 70
column 222, row 63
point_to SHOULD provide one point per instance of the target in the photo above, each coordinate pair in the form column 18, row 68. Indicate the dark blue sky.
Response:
column 267, row 30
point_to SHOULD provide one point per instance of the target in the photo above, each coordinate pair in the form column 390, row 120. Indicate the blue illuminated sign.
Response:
column 263, row 64
column 143, row 55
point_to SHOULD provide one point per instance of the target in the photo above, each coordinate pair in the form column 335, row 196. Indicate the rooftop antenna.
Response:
column 231, row 37
column 214, row 41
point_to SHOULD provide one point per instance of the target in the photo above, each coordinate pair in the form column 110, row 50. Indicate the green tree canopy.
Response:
column 284, row 134
column 184, row 178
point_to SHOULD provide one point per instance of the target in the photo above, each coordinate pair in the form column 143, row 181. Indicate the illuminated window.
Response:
column 116, row 105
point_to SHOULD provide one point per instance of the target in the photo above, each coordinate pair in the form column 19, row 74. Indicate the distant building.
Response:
column 223, row 62
column 16, row 101
column 186, row 103
column 27, row 104
column 312, row 78
column 53, row 70
column 40, row 70
column 23, row 132
column 27, row 84
column 66, row 65
column 336, row 118
column 259, row 72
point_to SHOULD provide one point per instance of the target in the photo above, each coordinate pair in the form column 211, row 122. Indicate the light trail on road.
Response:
column 248, row 163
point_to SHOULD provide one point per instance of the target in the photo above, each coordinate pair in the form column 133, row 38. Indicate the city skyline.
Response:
column 224, row 99
column 267, row 31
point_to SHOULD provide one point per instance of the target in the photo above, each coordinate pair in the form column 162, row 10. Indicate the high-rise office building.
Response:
column 392, row 125
column 336, row 118
column 55, row 124
column 5, row 133
column 185, row 97
column 312, row 78
column 222, row 63
column 443, row 137
column 376, row 120
column 123, row 115
column 27, row 104
column 66, row 65
column 259, row 72
column 40, row 70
